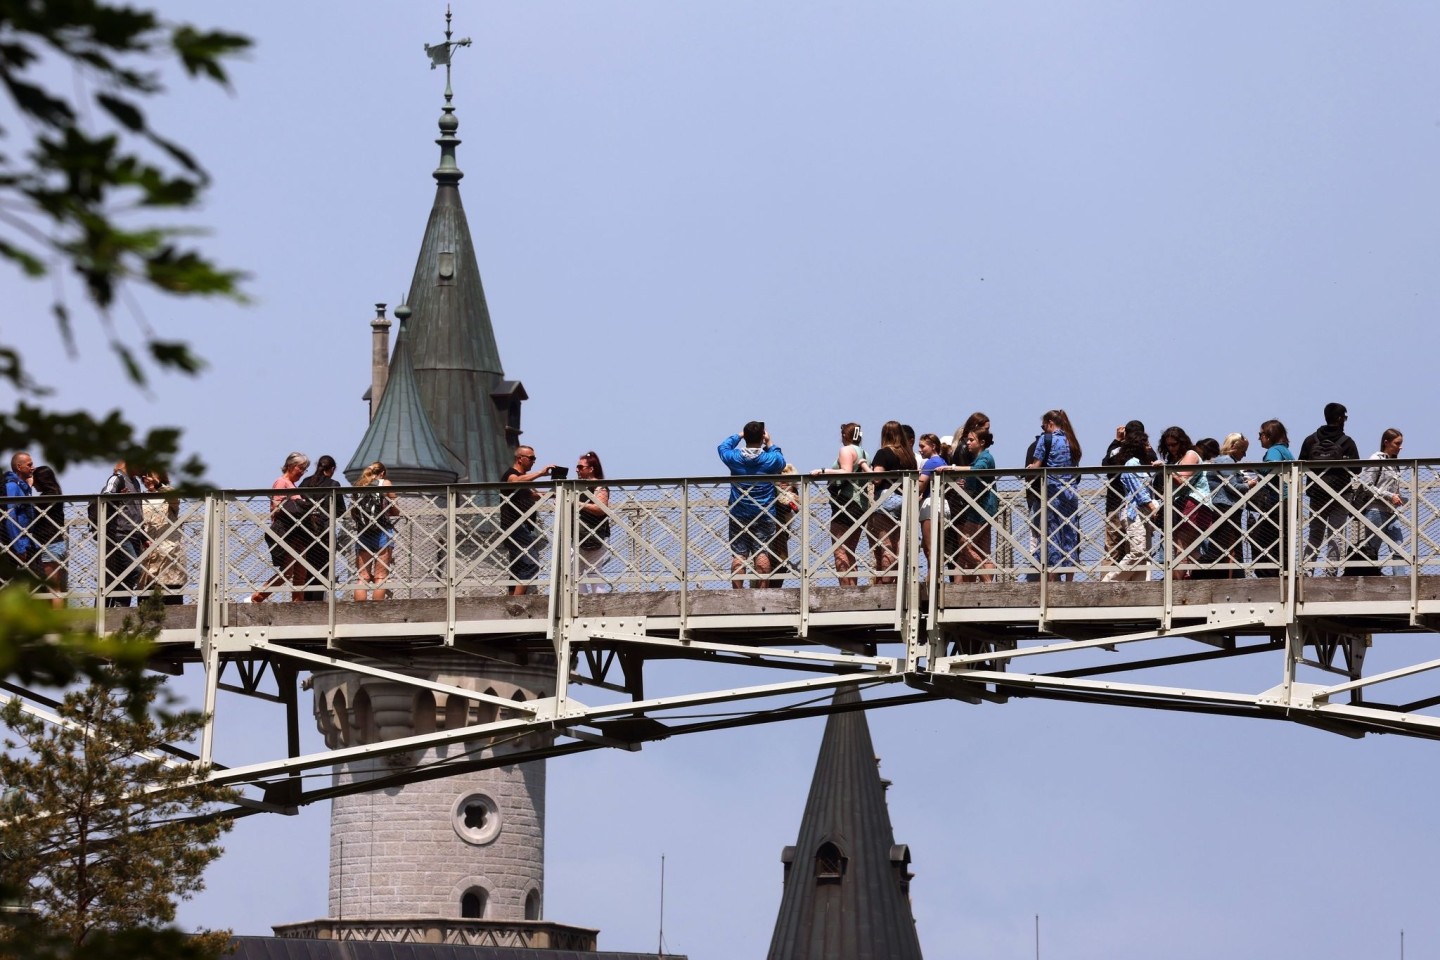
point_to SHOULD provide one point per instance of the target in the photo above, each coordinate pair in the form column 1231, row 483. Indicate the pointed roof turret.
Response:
column 847, row 883
column 474, row 410
column 400, row 435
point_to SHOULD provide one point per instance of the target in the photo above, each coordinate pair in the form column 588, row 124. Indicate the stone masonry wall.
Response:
column 416, row 850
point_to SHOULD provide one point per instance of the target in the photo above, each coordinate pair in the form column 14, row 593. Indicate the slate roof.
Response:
column 400, row 435
column 854, row 906
column 288, row 948
column 453, row 352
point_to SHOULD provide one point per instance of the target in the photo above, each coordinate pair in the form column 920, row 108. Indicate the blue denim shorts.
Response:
column 751, row 535
column 376, row 539
column 51, row 552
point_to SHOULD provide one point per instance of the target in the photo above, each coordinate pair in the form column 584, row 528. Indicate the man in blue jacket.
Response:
column 18, row 514
column 752, row 522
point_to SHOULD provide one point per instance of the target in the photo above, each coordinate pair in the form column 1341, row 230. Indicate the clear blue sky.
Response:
column 692, row 215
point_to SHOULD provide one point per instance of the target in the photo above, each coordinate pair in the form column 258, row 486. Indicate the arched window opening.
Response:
column 829, row 864
column 532, row 905
column 472, row 904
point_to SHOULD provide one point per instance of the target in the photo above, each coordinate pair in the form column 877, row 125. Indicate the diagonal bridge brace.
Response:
column 949, row 663
column 838, row 659
column 402, row 678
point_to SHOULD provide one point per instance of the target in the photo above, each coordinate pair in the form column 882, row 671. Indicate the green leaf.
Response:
column 125, row 113
column 133, row 370
column 62, row 320
column 174, row 355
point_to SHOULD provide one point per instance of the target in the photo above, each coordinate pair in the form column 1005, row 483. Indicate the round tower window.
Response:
column 476, row 818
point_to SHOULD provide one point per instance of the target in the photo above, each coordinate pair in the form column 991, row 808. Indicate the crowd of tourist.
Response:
column 1211, row 505
column 1222, row 518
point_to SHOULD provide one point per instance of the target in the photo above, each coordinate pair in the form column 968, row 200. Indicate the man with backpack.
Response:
column 124, row 538
column 1328, row 491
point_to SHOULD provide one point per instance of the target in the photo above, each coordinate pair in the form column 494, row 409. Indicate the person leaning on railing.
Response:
column 1057, row 450
column 124, row 537
column 318, row 560
column 884, row 521
column 373, row 513
column 517, row 519
column 163, row 562
column 594, row 519
column 18, row 514
column 847, row 500
column 1191, row 497
column 975, row 514
column 1268, row 524
column 1384, row 491
column 1227, row 487
column 286, row 535
column 1139, row 509
column 1328, row 490
column 933, row 460
column 784, row 509
column 48, row 533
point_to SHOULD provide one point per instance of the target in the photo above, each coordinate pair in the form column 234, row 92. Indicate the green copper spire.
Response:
column 473, row 409
column 441, row 54
column 400, row 435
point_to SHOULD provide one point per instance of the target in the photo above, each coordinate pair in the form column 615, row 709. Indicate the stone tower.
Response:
column 459, row 858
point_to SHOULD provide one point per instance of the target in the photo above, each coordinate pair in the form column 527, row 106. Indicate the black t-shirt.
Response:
column 1114, row 486
column 515, row 501
column 317, row 509
column 885, row 459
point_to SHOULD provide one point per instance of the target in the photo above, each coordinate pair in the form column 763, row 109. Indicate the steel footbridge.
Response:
column 986, row 586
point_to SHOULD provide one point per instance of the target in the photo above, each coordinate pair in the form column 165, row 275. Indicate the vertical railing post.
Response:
column 1414, row 544
column 904, row 550
column 936, row 549
column 102, row 579
column 910, row 556
column 452, row 542
column 207, row 609
column 803, row 567
column 332, row 575
column 1042, row 549
column 562, row 605
column 1293, row 549
column 684, row 557
column 1167, row 546
column 559, row 548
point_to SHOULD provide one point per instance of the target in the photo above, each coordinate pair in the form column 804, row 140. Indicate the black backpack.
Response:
column 1336, row 478
column 371, row 511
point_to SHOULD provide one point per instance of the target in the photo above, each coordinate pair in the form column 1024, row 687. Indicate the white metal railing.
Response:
column 1286, row 520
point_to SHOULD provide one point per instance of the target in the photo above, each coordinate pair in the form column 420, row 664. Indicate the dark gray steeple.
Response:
column 474, row 410
column 847, row 883
column 400, row 435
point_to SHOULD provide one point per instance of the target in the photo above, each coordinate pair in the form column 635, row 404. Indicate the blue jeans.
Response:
column 1381, row 520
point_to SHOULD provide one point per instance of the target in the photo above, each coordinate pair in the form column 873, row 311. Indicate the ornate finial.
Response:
column 441, row 53
column 402, row 313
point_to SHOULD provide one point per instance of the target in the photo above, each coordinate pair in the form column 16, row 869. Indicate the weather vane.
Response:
column 441, row 53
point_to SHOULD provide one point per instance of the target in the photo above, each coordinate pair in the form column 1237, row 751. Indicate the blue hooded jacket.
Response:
column 18, row 516
column 750, row 499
